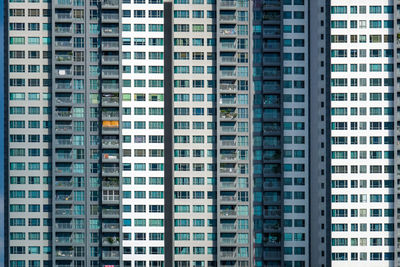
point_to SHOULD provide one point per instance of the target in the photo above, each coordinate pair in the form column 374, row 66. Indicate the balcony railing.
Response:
column 228, row 129
column 110, row 16
column 110, row 183
column 228, row 254
column 63, row 86
column 106, row 86
column 64, row 141
column 111, row 197
column 228, row 170
column 63, row 58
column 64, row 226
column 64, row 197
column 110, row 212
column 110, row 100
column 110, row 254
column 64, row 72
column 64, row 183
column 227, row 3
column 110, row 240
column 228, row 59
column 63, row 100
column 110, row 59
column 228, row 198
column 63, row 44
column 110, row 3
column 227, row 101
column 110, row 114
column 63, row 29
column 109, row 30
column 64, row 2
column 227, row 32
column 64, row 155
column 228, row 226
column 227, row 17
column 109, row 73
column 63, row 239
column 228, row 240
column 228, row 213
column 228, row 185
column 63, row 128
column 63, row 211
column 110, row 156
column 110, row 142
column 272, row 212
column 110, row 226
column 111, row 170
column 64, row 253
column 228, row 143
column 228, row 156
column 64, row 114
column 228, row 87
column 61, row 170
column 106, row 44
column 228, row 45
column 228, row 73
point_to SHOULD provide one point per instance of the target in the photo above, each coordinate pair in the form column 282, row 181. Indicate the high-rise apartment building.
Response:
column 201, row 133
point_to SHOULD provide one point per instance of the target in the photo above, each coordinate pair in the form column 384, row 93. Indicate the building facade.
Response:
column 194, row 133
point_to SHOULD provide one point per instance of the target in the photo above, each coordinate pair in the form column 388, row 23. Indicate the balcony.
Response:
column 227, row 101
column 228, row 18
column 227, row 32
column 110, row 254
column 64, row 156
column 228, row 45
column 109, row 45
column 64, row 253
column 228, row 87
column 228, row 226
column 228, row 185
column 63, row 170
column 63, row 240
column 63, row 86
column 110, row 241
column 63, row 44
column 110, row 31
column 63, row 183
column 110, row 100
column 64, row 226
column 63, row 114
column 112, row 183
column 107, row 59
column 228, row 213
column 110, row 73
column 63, row 100
column 110, row 17
column 228, row 156
column 110, row 226
column 228, row 170
column 64, row 212
column 228, row 115
column 228, row 73
column 228, row 143
column 63, row 58
column 271, row 227
column 111, row 198
column 63, row 72
column 64, row 142
column 228, row 129
column 228, row 241
column 64, row 3
column 227, row 254
column 271, row 199
column 110, row 212
column 110, row 156
column 64, row 197
column 110, row 86
column 110, row 4
column 110, row 142
column 63, row 30
column 63, row 128
column 228, row 198
column 225, row 59
column 227, row 4
column 111, row 170
column 110, row 114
